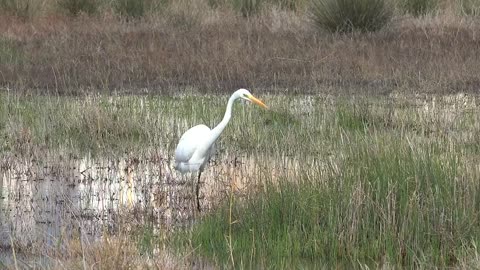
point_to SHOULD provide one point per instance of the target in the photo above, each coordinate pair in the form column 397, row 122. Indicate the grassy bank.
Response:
column 326, row 181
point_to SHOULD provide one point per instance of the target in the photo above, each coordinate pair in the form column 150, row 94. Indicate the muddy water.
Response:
column 44, row 201
column 40, row 202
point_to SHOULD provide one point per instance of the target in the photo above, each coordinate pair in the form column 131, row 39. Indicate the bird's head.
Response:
column 245, row 94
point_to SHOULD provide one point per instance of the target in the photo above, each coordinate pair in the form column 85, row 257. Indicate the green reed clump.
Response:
column 274, row 230
column 407, row 203
column 75, row 7
column 350, row 15
column 138, row 8
column 418, row 7
column 22, row 8
column 247, row 7
column 216, row 3
column 289, row 4
column 130, row 8
column 388, row 200
column 355, row 118
column 10, row 53
column 470, row 7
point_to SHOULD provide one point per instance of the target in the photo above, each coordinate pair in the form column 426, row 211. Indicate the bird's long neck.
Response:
column 215, row 133
column 226, row 118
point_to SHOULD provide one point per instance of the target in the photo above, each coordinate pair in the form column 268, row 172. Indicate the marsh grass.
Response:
column 367, row 192
column 369, row 181
column 102, row 124
column 84, row 125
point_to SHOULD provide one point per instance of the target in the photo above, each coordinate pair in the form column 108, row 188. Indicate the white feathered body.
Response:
column 190, row 154
column 196, row 145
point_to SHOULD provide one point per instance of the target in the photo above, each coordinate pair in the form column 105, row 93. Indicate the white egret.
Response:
column 196, row 144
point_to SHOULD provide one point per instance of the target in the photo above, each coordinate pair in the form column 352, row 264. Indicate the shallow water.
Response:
column 44, row 201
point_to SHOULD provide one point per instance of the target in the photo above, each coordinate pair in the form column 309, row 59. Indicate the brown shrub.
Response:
column 216, row 50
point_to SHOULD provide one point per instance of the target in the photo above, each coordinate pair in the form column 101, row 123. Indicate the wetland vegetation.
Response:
column 315, row 181
column 367, row 158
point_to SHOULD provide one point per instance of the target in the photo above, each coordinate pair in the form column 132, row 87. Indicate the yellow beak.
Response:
column 257, row 101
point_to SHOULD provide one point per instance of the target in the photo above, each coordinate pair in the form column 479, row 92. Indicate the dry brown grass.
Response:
column 110, row 252
column 218, row 50
column 114, row 253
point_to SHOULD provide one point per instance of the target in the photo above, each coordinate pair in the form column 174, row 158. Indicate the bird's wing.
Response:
column 189, row 142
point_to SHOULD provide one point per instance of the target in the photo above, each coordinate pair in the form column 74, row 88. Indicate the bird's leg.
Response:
column 198, row 192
